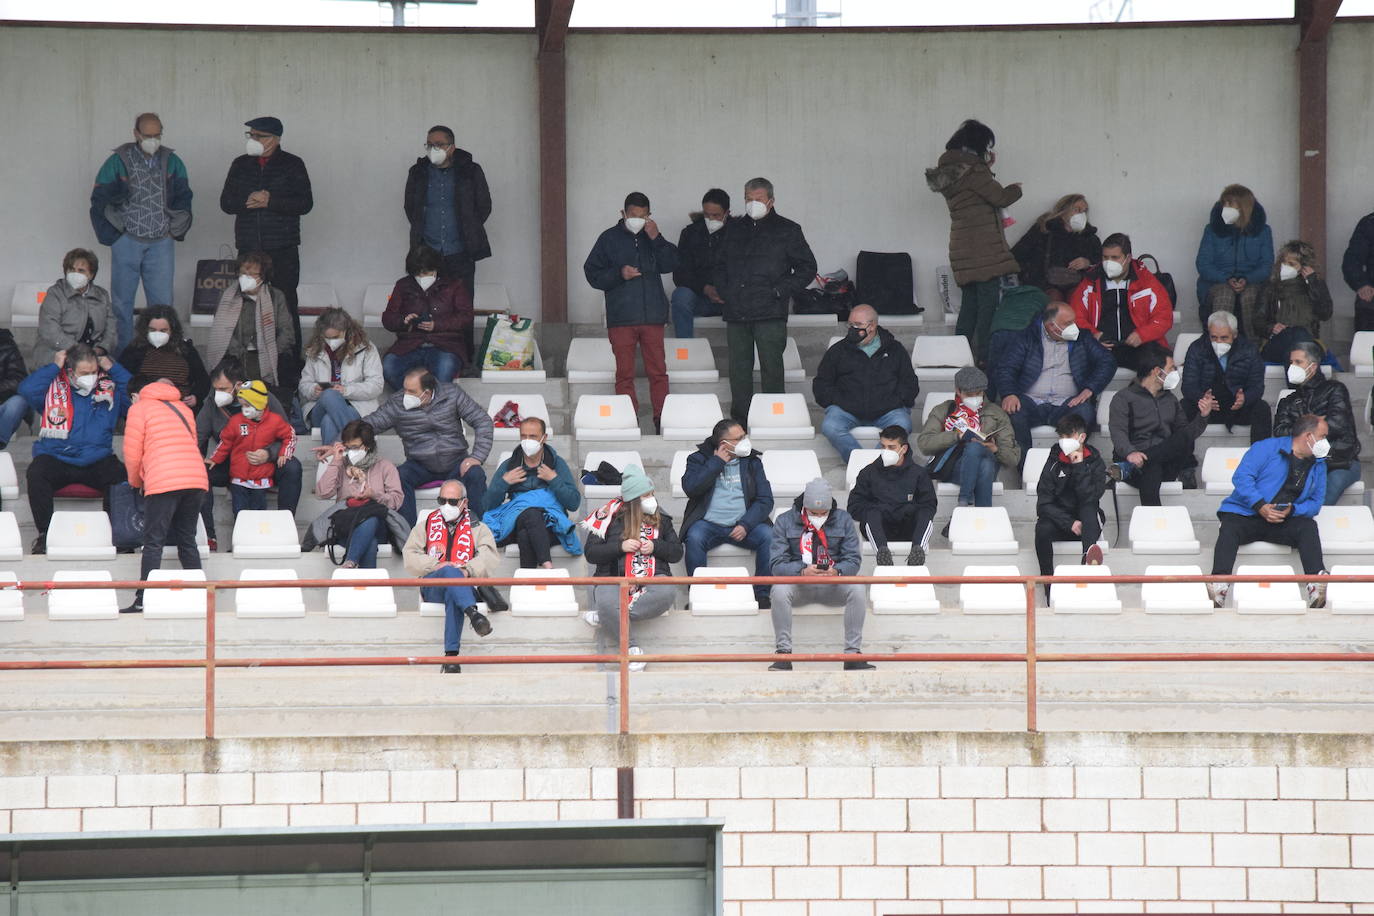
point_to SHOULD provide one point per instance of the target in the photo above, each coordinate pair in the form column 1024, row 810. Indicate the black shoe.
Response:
column 781, row 665
column 450, row 669
column 884, row 556
column 917, row 557
column 39, row 545
column 765, row 603
column 480, row 624
column 859, row 666
column 944, row 532
column 1188, row 477
column 135, row 608
column 488, row 595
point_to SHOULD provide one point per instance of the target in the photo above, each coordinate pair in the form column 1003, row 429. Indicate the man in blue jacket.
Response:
column 1230, row 368
column 627, row 264
column 1279, row 486
column 1049, row 370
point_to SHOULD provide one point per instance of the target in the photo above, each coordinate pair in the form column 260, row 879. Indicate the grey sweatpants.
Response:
column 653, row 603
column 855, row 607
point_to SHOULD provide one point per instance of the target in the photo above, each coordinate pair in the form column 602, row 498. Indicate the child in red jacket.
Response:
column 245, row 441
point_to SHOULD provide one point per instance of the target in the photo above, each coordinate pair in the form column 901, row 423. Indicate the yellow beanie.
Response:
column 254, row 394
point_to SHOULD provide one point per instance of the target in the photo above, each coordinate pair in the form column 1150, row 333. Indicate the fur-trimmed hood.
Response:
column 1258, row 220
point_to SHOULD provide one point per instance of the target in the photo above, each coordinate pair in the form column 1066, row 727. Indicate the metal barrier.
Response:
column 1031, row 657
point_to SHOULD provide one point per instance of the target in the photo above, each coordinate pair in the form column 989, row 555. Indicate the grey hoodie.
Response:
column 433, row 435
column 841, row 535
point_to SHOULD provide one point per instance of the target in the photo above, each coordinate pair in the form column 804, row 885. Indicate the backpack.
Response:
column 885, row 281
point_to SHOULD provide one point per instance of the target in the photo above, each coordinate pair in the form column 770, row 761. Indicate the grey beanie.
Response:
column 634, row 483
column 817, row 496
column 971, row 378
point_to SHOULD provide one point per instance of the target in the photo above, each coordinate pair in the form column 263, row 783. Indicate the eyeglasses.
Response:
column 451, row 502
column 440, row 146
column 257, row 135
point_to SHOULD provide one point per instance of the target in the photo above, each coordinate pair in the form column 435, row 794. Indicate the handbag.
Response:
column 1060, row 276
column 126, row 517
column 342, row 523
column 885, row 281
column 1165, row 280
column 213, row 277
column 507, row 343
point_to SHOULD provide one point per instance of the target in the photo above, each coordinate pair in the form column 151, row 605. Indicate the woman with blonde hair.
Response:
column 1058, row 250
column 342, row 379
column 1234, row 256
column 1292, row 305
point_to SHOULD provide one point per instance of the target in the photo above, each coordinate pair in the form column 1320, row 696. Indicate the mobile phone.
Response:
column 1282, row 507
column 822, row 564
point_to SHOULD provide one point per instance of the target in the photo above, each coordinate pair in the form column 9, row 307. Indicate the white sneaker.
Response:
column 1316, row 594
column 1218, row 591
column 591, row 618
column 637, row 666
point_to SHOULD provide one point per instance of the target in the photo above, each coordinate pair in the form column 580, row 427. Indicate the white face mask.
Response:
column 247, row 283
column 251, row 413
column 355, row 455
column 86, row 383
column 1287, row 271
column 1321, row 448
column 1078, row 222
column 1229, row 215
column 254, row 147
column 1220, row 349
column 1296, row 375
column 530, row 447
column 224, row 398
column 158, row 339
column 149, row 145
column 410, row 401
column 889, row 457
column 744, row 448
column 756, row 209
column 649, row 504
column 974, row 402
column 450, row 513
column 1113, row 269
column 714, row 225
column 333, row 343
column 1172, row 379
column 817, row 518
column 426, row 282
column 77, row 280
column 437, row 156
column 1069, row 333
column 1068, row 445
column 634, row 224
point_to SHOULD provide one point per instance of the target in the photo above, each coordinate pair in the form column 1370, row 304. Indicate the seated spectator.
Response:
column 368, row 485
column 79, row 398
column 342, row 378
column 967, row 438
column 1228, row 367
column 630, row 536
column 729, row 500
column 697, row 249
column 431, row 318
column 1357, row 268
column 164, row 462
column 225, row 381
column 865, row 379
column 1292, row 305
column 160, row 349
column 1057, row 251
column 1020, row 306
column 253, row 325
column 893, row 499
column 14, row 409
column 1234, row 255
column 1067, row 496
column 429, row 416
column 1121, row 303
column 1152, row 437
column 1049, row 370
column 817, row 538
column 449, row 543
column 529, row 498
column 1329, row 399
column 76, row 311
column 1278, row 493
column 246, row 435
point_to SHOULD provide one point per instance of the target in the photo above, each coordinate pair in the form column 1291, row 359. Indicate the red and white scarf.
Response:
column 56, row 422
column 600, row 520
column 458, row 548
column 963, row 417
column 810, row 535
column 637, row 565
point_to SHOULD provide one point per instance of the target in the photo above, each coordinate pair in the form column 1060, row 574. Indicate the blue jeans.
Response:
column 132, row 260
column 455, row 599
column 287, row 479
column 1034, row 414
column 246, row 498
column 362, row 543
column 13, row 412
column 838, row 423
column 976, row 473
column 704, row 535
column 1338, row 480
column 442, row 363
column 413, row 474
column 331, row 414
column 688, row 305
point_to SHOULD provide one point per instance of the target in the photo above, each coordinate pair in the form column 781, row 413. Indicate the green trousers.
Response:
column 977, row 304
column 770, row 337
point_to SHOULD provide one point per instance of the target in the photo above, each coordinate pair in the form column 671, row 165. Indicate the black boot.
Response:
column 780, row 664
column 480, row 624
column 451, row 669
column 136, row 607
column 489, row 596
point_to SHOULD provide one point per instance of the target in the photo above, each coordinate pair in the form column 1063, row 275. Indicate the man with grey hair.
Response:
column 816, row 538
column 761, row 264
column 1314, row 393
column 1231, row 369
column 865, row 379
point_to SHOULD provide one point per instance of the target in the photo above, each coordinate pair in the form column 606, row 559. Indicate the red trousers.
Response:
column 649, row 337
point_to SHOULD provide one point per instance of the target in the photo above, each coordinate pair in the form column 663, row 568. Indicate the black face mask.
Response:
column 854, row 336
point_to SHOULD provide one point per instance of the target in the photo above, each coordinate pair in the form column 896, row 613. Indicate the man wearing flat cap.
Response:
column 969, row 439
column 267, row 191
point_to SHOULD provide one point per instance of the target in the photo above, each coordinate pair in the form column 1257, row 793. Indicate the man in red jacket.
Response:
column 1122, row 303
column 245, row 440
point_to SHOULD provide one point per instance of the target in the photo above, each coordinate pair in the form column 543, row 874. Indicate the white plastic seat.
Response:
column 949, row 488
column 689, row 417
column 790, row 470
column 778, row 415
column 1175, row 597
column 792, row 370
column 11, row 547
column 1350, row 597
column 1181, row 344
column 1084, row 597
column 284, row 601
column 933, row 399
column 265, row 534
column 174, row 603
column 9, row 480
column 11, row 599
column 362, row 600
column 490, row 297
column 606, row 418
column 1162, row 530
column 25, row 303
column 1268, row 597
column 722, row 599
column 375, row 299
column 431, row 608
column 689, row 359
column 314, row 298
column 859, row 459
column 1264, row 549
column 936, row 358
column 1362, row 354
column 618, row 460
column 527, row 405
column 903, row 597
column 981, row 531
column 675, row 472
column 1031, row 471
column 590, row 359
column 542, row 599
column 78, row 535
column 533, row 375
column 992, row 598
column 1218, row 467
column 83, row 604
column 1104, row 408
column 1346, row 530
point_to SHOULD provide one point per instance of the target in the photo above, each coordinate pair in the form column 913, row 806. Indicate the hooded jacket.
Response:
column 1261, row 474
column 160, row 449
column 448, row 302
column 608, row 560
column 360, row 374
column 696, row 255
column 110, row 196
column 1054, row 246
column 1069, row 492
column 1227, row 252
column 93, row 424
column 433, row 435
column 563, row 487
column 63, row 316
column 1147, row 302
column 212, row 418
column 471, row 202
column 761, row 265
column 1302, row 302
column 242, row 435
column 277, row 225
column 866, row 386
column 699, row 483
column 1090, row 363
column 977, row 241
column 1141, row 420
column 1330, row 400
column 639, row 300
column 841, row 535
column 882, row 488
column 1202, row 370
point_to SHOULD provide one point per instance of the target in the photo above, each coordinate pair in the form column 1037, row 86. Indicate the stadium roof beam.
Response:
column 551, row 27
column 1314, row 22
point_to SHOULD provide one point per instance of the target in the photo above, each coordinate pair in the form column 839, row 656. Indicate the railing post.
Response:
column 624, row 611
column 1030, row 655
column 210, row 661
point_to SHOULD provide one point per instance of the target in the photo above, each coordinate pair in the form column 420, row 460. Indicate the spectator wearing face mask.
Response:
column 14, row 409
column 694, row 295
column 429, row 315
column 1067, row 496
column 1357, row 269
column 1228, row 367
column 1121, row 303
column 865, row 379
column 529, row 498
column 342, row 378
column 368, row 486
column 969, row 439
column 1314, row 393
column 1234, row 255
column 893, row 499
column 1152, row 436
column 447, row 202
column 160, row 350
column 76, row 311
column 251, row 431
column 253, row 325
column 1293, row 303
column 1059, row 249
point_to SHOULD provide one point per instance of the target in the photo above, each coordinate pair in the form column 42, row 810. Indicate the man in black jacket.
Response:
column 695, row 294
column 1357, row 267
column 1231, row 369
column 447, row 202
column 267, row 191
column 1329, row 399
column 14, row 408
column 864, row 380
column 1067, row 497
column 627, row 263
column 763, row 262
column 894, row 498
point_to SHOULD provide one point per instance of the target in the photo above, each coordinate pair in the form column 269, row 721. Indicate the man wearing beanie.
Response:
column 969, row 439
column 245, row 441
column 817, row 538
column 865, row 379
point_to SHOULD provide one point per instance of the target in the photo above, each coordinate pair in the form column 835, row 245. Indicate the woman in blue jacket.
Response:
column 1235, row 254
